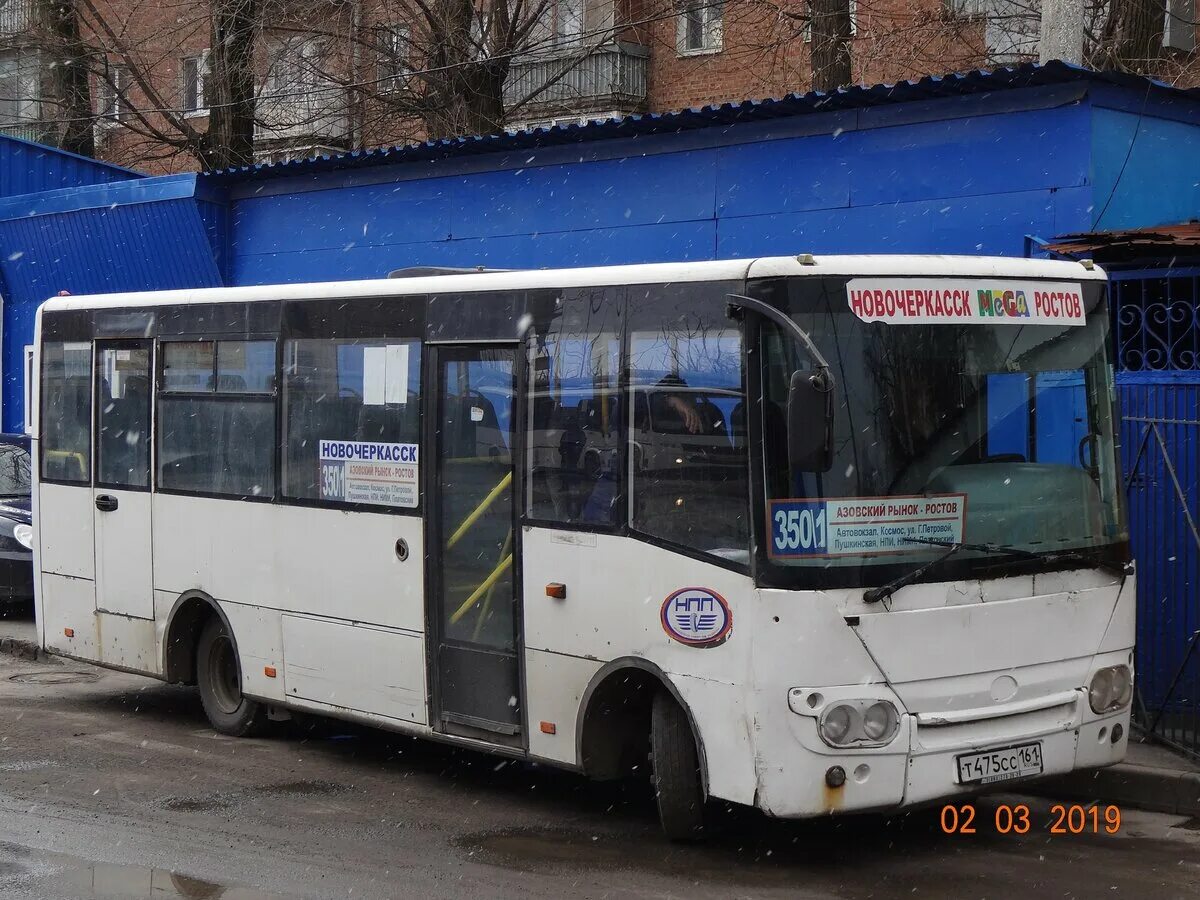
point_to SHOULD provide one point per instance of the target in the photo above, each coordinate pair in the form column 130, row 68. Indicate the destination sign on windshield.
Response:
column 965, row 301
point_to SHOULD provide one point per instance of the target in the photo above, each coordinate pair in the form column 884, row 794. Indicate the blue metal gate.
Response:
column 1158, row 377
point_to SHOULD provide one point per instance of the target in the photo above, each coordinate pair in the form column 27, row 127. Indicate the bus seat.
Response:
column 227, row 384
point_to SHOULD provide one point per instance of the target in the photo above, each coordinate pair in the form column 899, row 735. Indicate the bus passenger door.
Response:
column 473, row 614
column 121, row 496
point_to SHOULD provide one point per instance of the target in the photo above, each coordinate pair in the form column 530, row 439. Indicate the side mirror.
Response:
column 810, row 421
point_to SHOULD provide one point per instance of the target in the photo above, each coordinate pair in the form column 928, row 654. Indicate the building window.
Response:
column 699, row 28
column 216, row 418
column 568, row 21
column 393, row 48
column 194, row 73
column 18, row 93
column 111, row 90
column 296, row 71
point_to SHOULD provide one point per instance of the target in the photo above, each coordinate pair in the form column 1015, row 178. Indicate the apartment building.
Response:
column 334, row 75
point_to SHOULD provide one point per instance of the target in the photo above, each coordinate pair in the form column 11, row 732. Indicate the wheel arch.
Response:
column 623, row 679
column 182, row 632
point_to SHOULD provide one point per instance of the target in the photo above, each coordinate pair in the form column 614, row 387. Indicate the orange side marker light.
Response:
column 269, row 671
column 557, row 590
column 69, row 632
column 549, row 728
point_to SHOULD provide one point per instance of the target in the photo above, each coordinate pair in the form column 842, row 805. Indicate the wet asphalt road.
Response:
column 112, row 786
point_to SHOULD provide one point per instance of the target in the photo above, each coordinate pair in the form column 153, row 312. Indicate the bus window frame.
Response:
column 89, row 481
column 66, row 327
column 622, row 526
column 725, row 287
column 160, row 391
column 409, row 327
column 99, row 345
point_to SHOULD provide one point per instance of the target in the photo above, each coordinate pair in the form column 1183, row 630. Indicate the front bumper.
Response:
column 920, row 764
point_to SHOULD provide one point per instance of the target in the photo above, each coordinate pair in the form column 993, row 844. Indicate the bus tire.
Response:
column 219, row 675
column 678, row 785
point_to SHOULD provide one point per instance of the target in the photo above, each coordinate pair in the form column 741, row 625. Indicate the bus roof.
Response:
column 597, row 276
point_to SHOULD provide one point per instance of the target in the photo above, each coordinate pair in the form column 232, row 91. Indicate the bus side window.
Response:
column 353, row 392
column 574, row 455
column 66, row 419
column 688, row 456
column 216, row 418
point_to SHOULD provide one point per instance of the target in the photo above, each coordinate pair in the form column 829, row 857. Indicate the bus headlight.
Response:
column 880, row 721
column 836, row 724
column 1111, row 688
column 859, row 723
column 24, row 536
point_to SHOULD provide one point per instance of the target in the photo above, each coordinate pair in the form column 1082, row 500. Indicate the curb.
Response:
column 22, row 649
column 1138, row 787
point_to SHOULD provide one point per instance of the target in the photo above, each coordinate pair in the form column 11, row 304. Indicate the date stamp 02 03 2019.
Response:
column 1017, row 818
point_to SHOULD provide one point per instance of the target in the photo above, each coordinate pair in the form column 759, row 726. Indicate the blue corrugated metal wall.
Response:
column 31, row 169
column 147, row 235
column 26, row 168
column 863, row 181
column 1144, row 169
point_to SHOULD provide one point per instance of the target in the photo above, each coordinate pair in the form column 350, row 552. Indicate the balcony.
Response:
column 19, row 130
column 317, row 117
column 577, row 82
column 16, row 16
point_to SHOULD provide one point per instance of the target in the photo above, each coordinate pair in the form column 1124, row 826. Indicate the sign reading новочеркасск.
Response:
column 965, row 301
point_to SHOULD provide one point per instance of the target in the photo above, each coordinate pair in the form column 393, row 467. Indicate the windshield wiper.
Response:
column 874, row 595
column 1122, row 569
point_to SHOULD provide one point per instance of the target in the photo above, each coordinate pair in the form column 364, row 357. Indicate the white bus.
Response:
column 807, row 534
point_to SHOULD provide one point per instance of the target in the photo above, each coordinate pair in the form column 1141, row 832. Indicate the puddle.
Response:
column 197, row 804
column 59, row 677
column 300, row 789
column 225, row 801
column 111, row 882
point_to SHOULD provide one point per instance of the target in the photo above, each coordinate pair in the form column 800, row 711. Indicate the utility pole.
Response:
column 1062, row 31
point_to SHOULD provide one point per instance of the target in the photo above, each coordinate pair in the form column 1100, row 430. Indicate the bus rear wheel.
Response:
column 678, row 786
column 219, row 675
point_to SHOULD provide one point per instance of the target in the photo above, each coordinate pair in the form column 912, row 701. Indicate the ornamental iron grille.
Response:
column 1157, row 321
column 1157, row 334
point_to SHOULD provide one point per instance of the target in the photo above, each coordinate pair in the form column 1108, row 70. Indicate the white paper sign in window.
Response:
column 385, row 375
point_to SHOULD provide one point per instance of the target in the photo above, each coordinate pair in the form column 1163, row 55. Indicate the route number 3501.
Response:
column 800, row 528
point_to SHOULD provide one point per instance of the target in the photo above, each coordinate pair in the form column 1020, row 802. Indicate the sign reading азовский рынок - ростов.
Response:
column 364, row 472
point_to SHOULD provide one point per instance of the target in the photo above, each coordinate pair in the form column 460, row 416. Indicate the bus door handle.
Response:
column 106, row 503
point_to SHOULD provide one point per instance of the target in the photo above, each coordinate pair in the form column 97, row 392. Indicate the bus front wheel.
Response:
column 220, row 678
column 678, row 786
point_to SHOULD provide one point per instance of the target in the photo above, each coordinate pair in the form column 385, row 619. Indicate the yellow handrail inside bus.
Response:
column 68, row 456
column 491, row 591
column 479, row 510
column 479, row 591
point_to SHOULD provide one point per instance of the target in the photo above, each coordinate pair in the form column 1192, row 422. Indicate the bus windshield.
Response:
column 983, row 432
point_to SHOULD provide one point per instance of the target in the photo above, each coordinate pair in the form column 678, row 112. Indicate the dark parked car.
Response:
column 16, row 528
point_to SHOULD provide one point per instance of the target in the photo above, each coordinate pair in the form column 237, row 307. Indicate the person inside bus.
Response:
column 679, row 403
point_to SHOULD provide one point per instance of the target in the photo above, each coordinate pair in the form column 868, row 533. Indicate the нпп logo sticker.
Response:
column 697, row 617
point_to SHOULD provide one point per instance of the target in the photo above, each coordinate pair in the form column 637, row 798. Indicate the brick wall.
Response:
column 762, row 52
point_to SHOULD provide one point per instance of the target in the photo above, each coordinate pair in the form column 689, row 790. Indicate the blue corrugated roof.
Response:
column 979, row 81
column 28, row 168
